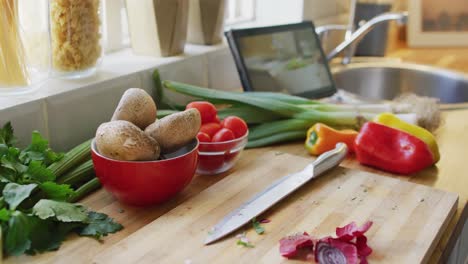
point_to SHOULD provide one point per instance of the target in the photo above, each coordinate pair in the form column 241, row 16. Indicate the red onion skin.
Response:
column 326, row 254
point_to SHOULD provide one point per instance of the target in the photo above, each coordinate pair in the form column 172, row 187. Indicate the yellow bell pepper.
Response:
column 322, row 138
column 393, row 121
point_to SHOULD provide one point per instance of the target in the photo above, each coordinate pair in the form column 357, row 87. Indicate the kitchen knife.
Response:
column 276, row 192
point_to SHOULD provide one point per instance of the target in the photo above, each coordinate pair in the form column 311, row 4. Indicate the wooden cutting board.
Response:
column 408, row 218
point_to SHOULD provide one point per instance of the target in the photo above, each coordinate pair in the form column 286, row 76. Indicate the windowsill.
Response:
column 117, row 64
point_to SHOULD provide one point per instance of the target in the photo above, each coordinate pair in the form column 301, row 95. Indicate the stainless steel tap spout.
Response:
column 361, row 32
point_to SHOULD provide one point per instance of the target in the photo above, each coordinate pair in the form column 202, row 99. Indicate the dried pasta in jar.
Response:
column 75, row 34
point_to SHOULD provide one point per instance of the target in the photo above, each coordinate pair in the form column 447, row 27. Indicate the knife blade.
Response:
column 276, row 192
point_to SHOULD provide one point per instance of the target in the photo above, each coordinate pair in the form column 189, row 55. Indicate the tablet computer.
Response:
column 285, row 58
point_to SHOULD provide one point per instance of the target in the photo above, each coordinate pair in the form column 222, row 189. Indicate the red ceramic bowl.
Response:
column 147, row 182
column 219, row 157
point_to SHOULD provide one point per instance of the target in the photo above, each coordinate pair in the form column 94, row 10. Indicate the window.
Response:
column 115, row 26
column 239, row 11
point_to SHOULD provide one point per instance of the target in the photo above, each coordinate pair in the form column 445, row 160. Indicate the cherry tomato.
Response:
column 203, row 137
column 217, row 119
column 236, row 125
column 223, row 135
column 207, row 110
column 211, row 163
column 210, row 129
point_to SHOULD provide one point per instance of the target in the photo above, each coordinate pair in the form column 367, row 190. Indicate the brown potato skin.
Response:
column 122, row 140
column 136, row 106
column 175, row 130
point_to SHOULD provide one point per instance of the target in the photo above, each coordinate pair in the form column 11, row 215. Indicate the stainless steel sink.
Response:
column 387, row 80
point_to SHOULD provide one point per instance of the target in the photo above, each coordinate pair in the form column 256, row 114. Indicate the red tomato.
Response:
column 203, row 137
column 223, row 135
column 207, row 110
column 236, row 125
column 217, row 119
column 211, row 163
column 210, row 128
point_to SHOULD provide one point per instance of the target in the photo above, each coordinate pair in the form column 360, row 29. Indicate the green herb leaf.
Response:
column 17, row 238
column 245, row 244
column 64, row 212
column 4, row 215
column 48, row 235
column 3, row 149
column 258, row 228
column 6, row 135
column 15, row 193
column 100, row 225
column 39, row 150
column 57, row 192
column 38, row 172
column 10, row 161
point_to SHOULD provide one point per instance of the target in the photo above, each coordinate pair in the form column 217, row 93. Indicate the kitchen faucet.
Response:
column 359, row 34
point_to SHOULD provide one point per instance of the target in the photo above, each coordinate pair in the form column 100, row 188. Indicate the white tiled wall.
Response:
column 25, row 118
column 222, row 71
column 192, row 70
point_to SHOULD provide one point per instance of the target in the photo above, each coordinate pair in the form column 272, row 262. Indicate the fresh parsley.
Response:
column 34, row 213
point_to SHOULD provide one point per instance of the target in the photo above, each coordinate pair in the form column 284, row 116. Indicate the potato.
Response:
column 122, row 140
column 175, row 130
column 136, row 106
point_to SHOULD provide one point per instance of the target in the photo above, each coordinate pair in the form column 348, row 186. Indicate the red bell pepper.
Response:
column 391, row 150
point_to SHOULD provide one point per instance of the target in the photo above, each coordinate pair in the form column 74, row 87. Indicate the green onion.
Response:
column 274, row 106
column 286, row 98
column 281, row 126
column 165, row 112
column 277, row 138
column 277, row 117
column 250, row 114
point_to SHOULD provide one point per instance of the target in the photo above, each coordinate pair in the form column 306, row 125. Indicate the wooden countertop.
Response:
column 450, row 174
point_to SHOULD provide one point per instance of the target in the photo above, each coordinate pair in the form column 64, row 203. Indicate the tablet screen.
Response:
column 288, row 61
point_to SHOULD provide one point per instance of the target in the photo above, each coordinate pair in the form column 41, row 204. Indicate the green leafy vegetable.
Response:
column 39, row 150
column 6, row 135
column 48, row 235
column 15, row 193
column 258, row 228
column 10, row 165
column 17, row 238
column 63, row 212
column 99, row 225
column 57, row 192
column 37, row 172
column 35, row 210
column 4, row 215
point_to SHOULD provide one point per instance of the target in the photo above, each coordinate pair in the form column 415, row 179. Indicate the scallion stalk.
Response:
column 277, row 138
column 281, row 126
column 274, row 106
column 250, row 114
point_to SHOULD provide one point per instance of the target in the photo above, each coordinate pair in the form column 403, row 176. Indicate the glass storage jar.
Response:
column 24, row 45
column 75, row 30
